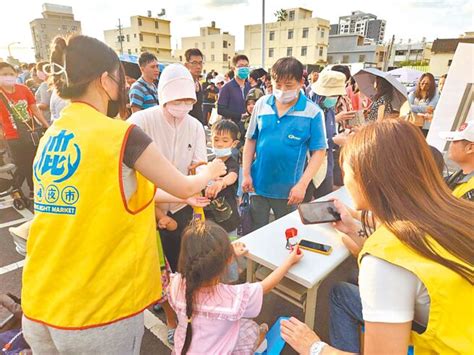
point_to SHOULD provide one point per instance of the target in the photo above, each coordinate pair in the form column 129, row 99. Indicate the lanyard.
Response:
column 12, row 108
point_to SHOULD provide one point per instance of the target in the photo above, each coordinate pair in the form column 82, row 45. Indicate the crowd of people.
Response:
column 121, row 174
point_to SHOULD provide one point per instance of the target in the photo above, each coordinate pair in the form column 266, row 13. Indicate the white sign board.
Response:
column 455, row 105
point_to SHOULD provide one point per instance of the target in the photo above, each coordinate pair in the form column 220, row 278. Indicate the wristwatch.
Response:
column 317, row 348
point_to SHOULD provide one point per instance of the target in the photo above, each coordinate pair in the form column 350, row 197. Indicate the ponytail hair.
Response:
column 205, row 254
column 77, row 61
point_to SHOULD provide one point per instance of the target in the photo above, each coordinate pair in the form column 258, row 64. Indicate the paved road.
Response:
column 10, row 281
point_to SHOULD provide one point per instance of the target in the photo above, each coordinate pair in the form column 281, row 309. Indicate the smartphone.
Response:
column 358, row 120
column 318, row 212
column 315, row 247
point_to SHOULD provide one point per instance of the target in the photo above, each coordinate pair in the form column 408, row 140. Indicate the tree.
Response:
column 281, row 15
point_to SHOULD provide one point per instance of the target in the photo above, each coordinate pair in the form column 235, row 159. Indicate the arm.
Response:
column 380, row 113
column 223, row 105
column 279, row 273
column 247, row 156
column 156, row 168
column 415, row 108
column 136, row 99
column 219, row 185
column 39, row 115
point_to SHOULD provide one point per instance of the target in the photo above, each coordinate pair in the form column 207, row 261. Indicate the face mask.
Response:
column 7, row 80
column 243, row 72
column 178, row 110
column 222, row 152
column 330, row 102
column 42, row 75
column 285, row 96
column 112, row 108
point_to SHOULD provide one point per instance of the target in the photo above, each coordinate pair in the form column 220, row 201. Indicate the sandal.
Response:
column 170, row 337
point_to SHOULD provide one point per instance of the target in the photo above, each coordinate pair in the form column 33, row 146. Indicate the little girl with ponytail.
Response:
column 214, row 318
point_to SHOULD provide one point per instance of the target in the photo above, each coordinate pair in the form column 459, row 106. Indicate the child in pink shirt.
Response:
column 213, row 318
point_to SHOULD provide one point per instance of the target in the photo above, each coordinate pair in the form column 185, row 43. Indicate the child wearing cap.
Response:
column 461, row 151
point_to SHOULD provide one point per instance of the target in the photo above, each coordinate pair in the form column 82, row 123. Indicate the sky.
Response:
column 406, row 19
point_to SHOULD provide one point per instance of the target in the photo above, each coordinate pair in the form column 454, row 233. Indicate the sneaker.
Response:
column 170, row 337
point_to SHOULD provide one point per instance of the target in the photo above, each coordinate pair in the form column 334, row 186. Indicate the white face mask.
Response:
column 7, row 80
column 285, row 96
column 178, row 110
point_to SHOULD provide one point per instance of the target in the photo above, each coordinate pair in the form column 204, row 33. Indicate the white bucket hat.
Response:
column 330, row 83
column 176, row 83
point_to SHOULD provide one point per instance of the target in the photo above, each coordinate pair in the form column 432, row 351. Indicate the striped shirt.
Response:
column 143, row 94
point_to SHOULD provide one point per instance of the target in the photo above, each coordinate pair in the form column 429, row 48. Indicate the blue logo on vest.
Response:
column 59, row 160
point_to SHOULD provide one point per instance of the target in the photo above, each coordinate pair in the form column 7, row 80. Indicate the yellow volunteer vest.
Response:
column 463, row 188
column 450, row 328
column 91, row 255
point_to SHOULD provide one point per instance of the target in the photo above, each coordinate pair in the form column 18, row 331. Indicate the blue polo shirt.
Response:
column 283, row 143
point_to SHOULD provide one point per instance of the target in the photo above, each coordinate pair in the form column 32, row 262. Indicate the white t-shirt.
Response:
column 391, row 294
column 56, row 105
column 182, row 142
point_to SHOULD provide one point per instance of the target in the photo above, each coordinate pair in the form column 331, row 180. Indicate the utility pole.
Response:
column 263, row 34
column 120, row 37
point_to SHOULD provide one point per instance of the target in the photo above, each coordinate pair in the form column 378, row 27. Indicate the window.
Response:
column 139, row 21
column 129, row 51
column 213, row 58
column 449, row 62
column 289, row 51
column 305, row 32
column 329, row 59
column 272, row 35
column 128, row 38
column 203, row 45
column 157, row 39
column 225, row 57
column 271, row 52
column 304, row 51
column 134, row 35
column 156, row 24
column 290, row 34
column 141, row 37
column 224, row 44
column 345, row 59
column 291, row 17
column 361, row 58
column 74, row 28
column 321, row 51
column 322, row 33
column 212, row 45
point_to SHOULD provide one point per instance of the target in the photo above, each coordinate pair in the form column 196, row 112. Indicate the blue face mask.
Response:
column 243, row 72
column 330, row 102
column 222, row 152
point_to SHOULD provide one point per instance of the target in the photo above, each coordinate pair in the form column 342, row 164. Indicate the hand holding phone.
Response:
column 318, row 212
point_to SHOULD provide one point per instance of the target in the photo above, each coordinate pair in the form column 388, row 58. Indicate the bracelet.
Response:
column 317, row 347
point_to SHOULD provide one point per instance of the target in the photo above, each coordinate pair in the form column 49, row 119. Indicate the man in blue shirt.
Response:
column 283, row 129
column 143, row 93
column 231, row 102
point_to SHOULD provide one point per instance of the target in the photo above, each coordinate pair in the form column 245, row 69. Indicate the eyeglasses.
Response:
column 195, row 64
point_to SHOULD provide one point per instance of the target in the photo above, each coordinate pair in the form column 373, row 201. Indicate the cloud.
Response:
column 195, row 18
column 222, row 3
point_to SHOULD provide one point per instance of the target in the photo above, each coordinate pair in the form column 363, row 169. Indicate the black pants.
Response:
column 23, row 153
column 171, row 241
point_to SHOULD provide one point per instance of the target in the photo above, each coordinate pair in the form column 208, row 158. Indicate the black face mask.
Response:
column 112, row 108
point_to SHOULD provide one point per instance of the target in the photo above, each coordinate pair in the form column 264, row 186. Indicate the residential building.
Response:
column 217, row 47
column 362, row 23
column 354, row 48
column 56, row 20
column 145, row 34
column 416, row 52
column 298, row 35
column 334, row 29
column 442, row 52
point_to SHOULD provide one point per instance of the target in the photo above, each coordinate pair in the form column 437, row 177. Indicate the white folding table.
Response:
column 267, row 248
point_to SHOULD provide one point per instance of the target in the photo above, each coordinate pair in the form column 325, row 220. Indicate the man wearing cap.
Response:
column 326, row 92
column 179, row 137
column 461, row 151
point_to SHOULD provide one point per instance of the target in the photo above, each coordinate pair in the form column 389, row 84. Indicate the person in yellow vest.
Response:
column 416, row 269
column 461, row 151
column 92, row 263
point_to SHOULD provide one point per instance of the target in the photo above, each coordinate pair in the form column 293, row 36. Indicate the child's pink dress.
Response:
column 219, row 317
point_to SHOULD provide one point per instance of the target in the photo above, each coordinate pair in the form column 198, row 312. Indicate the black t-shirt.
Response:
column 196, row 112
column 136, row 144
column 229, row 194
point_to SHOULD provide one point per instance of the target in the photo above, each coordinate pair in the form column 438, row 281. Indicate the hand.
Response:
column 214, row 189
column 297, row 194
column 247, row 184
column 216, row 168
column 239, row 248
column 345, row 116
column 295, row 256
column 197, row 201
column 347, row 224
column 168, row 223
column 298, row 335
column 342, row 138
column 430, row 109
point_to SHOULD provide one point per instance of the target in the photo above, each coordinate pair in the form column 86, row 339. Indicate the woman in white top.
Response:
column 422, row 232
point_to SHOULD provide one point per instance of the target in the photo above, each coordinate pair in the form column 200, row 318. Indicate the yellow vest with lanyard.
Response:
column 464, row 188
column 450, row 328
column 91, row 256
